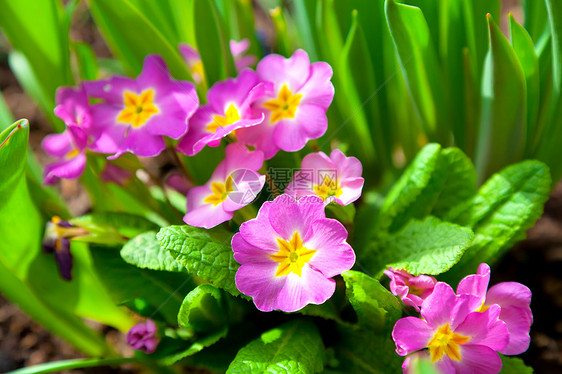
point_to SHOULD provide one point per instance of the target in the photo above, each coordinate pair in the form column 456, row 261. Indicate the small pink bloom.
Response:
column 143, row 337
column 234, row 184
column 69, row 147
column 238, row 49
column 193, row 62
column 290, row 253
column 336, row 178
column 459, row 340
column 137, row 113
column 514, row 300
column 115, row 174
column 229, row 109
column 412, row 290
column 295, row 111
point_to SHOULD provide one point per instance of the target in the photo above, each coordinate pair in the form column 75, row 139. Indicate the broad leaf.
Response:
column 506, row 206
column 145, row 252
column 514, row 365
column 112, row 227
column 430, row 246
column 205, row 253
column 203, row 310
column 295, row 347
column 376, row 308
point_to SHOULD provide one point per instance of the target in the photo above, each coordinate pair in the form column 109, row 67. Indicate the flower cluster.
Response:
column 462, row 332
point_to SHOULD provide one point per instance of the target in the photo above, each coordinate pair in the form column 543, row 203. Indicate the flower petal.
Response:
column 411, row 334
column 477, row 359
column 518, row 326
column 476, row 284
column 312, row 287
column 258, row 281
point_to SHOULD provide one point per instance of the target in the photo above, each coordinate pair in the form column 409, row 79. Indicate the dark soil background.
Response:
column 536, row 262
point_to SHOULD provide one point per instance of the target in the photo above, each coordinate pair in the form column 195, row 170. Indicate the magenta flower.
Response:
column 412, row 290
column 193, row 62
column 179, row 183
column 336, row 178
column 238, row 50
column 234, row 184
column 57, row 241
column 290, row 253
column 458, row 339
column 513, row 298
column 295, row 111
column 143, row 337
column 228, row 110
column 137, row 113
column 69, row 147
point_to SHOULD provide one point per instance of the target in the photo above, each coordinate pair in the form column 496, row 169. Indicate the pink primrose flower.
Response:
column 336, row 178
column 295, row 110
column 290, row 253
column 229, row 109
column 513, row 298
column 137, row 113
column 458, row 339
column 412, row 290
column 234, row 184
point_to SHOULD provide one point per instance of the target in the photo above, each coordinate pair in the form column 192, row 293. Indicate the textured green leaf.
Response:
column 295, row 347
column 376, row 308
column 203, row 310
column 419, row 62
column 502, row 133
column 205, row 253
column 514, row 365
column 163, row 291
column 430, row 246
column 506, row 206
column 145, row 252
column 436, row 181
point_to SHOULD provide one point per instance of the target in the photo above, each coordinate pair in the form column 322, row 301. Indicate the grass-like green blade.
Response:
column 502, row 134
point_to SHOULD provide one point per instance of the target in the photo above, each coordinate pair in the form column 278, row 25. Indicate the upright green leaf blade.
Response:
column 205, row 253
column 295, row 347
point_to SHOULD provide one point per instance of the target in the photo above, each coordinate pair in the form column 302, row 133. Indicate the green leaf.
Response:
column 86, row 59
column 203, row 310
column 502, row 133
column 145, row 252
column 120, row 23
column 419, row 62
column 500, row 213
column 112, row 227
column 360, row 351
column 212, row 42
column 376, row 308
column 295, row 347
column 514, row 365
column 205, row 253
column 430, row 246
column 163, row 291
column 436, row 181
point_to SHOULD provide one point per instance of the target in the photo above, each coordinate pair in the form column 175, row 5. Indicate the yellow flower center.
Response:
column 446, row 342
column 230, row 116
column 138, row 109
column 72, row 154
column 197, row 69
column 292, row 256
column 285, row 106
column 482, row 308
column 220, row 191
column 328, row 188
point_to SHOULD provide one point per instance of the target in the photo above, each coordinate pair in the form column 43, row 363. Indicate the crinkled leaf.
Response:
column 203, row 310
column 430, row 246
column 145, row 252
column 377, row 309
column 205, row 253
column 295, row 347
column 506, row 206
column 436, row 181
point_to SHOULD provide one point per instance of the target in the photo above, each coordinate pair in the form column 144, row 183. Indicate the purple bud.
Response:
column 143, row 337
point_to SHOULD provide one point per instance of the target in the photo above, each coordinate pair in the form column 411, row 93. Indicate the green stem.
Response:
column 52, row 367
